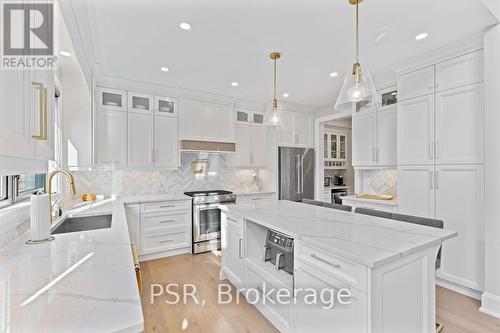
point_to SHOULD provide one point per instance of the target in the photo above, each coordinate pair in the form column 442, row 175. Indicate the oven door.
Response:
column 206, row 222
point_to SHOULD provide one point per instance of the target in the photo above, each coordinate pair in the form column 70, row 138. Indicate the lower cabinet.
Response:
column 454, row 194
column 160, row 229
column 232, row 249
column 255, row 197
column 325, row 316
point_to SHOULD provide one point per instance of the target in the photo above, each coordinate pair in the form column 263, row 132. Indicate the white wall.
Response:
column 491, row 295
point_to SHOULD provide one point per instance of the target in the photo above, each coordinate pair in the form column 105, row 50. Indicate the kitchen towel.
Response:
column 40, row 219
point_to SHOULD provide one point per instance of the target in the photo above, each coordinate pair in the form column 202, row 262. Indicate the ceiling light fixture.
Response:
column 234, row 84
column 65, row 53
column 185, row 26
column 164, row 69
column 286, row 95
column 358, row 85
column 273, row 116
column 334, row 74
column 421, row 36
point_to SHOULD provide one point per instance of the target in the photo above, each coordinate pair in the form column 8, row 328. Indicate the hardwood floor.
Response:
column 457, row 312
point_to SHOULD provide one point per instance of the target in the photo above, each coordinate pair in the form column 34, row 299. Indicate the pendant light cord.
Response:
column 357, row 31
column 274, row 84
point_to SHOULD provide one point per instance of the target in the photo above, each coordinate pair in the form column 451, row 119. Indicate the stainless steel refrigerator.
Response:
column 295, row 173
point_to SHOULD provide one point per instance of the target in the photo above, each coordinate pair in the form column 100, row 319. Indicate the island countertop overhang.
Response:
column 367, row 240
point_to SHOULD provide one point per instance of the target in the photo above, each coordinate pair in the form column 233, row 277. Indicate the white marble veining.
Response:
column 381, row 181
column 80, row 282
column 370, row 241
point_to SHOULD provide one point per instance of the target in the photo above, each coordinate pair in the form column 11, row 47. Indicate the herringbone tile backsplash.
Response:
column 131, row 182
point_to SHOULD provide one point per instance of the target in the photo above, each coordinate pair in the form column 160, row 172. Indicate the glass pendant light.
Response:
column 273, row 115
column 358, row 85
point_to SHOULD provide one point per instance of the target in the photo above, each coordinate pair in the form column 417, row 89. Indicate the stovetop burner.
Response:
column 212, row 196
column 206, row 193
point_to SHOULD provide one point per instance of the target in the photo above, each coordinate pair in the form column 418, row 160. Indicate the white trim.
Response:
column 490, row 304
column 458, row 288
column 164, row 254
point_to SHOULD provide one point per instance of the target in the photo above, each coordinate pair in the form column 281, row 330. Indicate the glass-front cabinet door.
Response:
column 333, row 146
column 165, row 106
column 342, row 147
column 325, row 146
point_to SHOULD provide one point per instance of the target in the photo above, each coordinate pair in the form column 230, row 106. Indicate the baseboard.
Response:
column 458, row 288
column 164, row 254
column 490, row 304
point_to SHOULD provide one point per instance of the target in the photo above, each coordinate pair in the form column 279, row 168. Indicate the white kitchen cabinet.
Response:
column 460, row 71
column 287, row 129
column 415, row 84
column 460, row 125
column 416, row 195
column 141, row 147
column 166, row 106
column 140, row 103
column 259, row 146
column 460, row 204
column 166, row 142
column 251, row 146
column 254, row 197
column 335, row 143
column 111, row 138
column 206, row 122
column 296, row 129
column 303, row 129
column 387, row 137
column 364, row 138
column 133, row 214
column 17, row 125
column 111, row 99
column 415, row 131
column 246, row 116
column 232, row 248
column 350, row 317
column 242, row 156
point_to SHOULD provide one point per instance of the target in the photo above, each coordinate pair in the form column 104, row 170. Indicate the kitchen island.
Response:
column 388, row 266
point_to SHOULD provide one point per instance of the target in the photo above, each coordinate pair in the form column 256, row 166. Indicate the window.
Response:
column 29, row 184
column 20, row 187
column 3, row 188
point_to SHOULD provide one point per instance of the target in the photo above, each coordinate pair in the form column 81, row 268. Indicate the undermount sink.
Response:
column 83, row 223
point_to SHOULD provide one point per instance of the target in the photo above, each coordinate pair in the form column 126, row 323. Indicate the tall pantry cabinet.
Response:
column 441, row 159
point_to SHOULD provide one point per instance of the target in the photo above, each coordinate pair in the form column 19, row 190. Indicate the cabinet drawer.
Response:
column 165, row 240
column 339, row 267
column 153, row 207
column 278, row 314
column 155, row 221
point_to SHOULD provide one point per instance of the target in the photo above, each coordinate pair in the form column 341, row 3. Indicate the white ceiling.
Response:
column 230, row 41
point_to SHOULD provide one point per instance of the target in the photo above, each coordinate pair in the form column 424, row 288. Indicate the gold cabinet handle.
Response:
column 42, row 100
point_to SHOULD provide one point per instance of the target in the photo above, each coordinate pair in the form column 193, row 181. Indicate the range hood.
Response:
column 208, row 146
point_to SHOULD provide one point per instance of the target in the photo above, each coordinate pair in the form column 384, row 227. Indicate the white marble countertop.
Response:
column 368, row 240
column 80, row 282
column 393, row 202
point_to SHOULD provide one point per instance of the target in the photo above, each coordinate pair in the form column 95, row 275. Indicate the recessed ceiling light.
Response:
column 286, row 95
column 185, row 26
column 334, row 74
column 234, row 84
column 421, row 36
column 65, row 53
column 164, row 69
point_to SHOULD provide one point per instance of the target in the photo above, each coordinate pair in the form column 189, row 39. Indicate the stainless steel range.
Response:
column 207, row 218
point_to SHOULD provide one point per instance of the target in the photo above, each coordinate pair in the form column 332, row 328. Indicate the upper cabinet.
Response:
column 296, row 129
column 140, row 103
column 143, row 132
column 417, row 83
column 27, row 113
column 250, row 117
column 335, row 143
column 251, row 146
column 445, row 126
column 166, row 106
column 460, row 71
column 111, row 99
column 374, row 138
column 205, row 121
